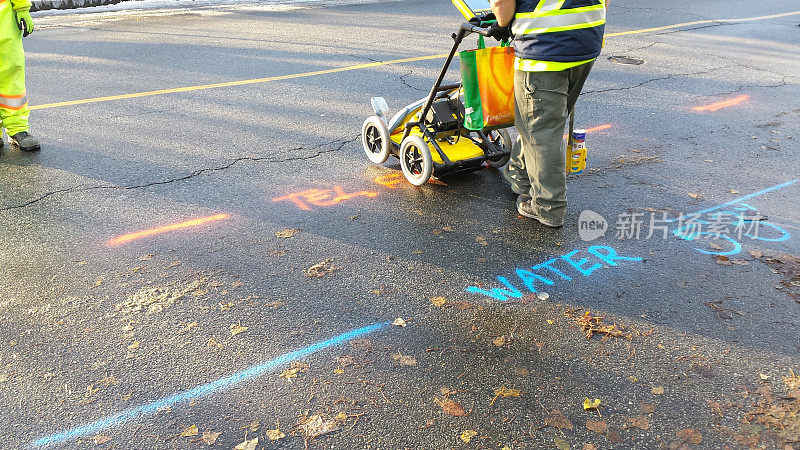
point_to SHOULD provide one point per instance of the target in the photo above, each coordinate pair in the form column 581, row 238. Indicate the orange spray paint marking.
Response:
column 390, row 181
column 723, row 104
column 125, row 238
column 322, row 197
column 597, row 128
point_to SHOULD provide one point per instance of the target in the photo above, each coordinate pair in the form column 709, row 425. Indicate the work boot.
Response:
column 525, row 208
column 25, row 141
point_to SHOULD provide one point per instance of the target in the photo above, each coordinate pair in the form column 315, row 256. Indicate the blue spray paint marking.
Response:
column 741, row 199
column 200, row 391
column 530, row 278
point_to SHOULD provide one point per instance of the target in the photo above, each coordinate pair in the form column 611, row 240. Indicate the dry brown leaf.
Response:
column 237, row 329
column 438, row 301
column 289, row 374
column 399, row 322
column 639, row 422
column 190, row 431
column 505, row 392
column 275, row 435
column 647, row 408
column 321, row 269
column 657, row 390
column 694, row 195
column 613, row 435
column 287, row 233
column 756, row 254
column 589, row 447
column 561, row 444
column 212, row 343
column 318, row 425
column 407, row 361
column 451, row 407
column 467, row 435
column 209, row 437
column 499, row 341
column 481, row 240
column 690, row 435
column 252, row 426
column 247, row 445
column 558, row 420
column 723, row 260
column 101, row 439
column 598, row 426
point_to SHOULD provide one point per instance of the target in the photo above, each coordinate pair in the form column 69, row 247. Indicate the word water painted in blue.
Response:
column 562, row 268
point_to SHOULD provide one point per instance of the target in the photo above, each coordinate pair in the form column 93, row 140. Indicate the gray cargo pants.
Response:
column 538, row 158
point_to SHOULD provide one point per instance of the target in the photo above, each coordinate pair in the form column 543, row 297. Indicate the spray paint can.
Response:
column 576, row 155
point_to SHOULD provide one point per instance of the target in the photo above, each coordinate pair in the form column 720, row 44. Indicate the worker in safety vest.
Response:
column 15, row 22
column 556, row 43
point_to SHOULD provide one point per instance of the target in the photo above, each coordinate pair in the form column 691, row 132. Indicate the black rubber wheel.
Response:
column 375, row 137
column 415, row 160
column 502, row 139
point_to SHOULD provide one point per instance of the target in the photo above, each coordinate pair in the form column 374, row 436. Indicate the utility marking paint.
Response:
column 322, row 197
column 548, row 273
column 361, row 66
column 125, row 238
column 392, row 181
column 740, row 199
column 723, row 104
column 201, row 391
column 597, row 128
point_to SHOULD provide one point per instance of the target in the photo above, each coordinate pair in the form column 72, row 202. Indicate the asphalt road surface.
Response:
column 202, row 253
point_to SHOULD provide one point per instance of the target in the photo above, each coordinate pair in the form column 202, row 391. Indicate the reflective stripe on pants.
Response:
column 13, row 102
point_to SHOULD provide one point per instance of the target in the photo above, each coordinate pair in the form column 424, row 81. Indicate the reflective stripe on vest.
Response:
column 544, row 20
column 14, row 102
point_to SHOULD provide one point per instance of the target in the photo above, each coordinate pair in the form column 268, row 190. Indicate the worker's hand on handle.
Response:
column 499, row 33
column 25, row 22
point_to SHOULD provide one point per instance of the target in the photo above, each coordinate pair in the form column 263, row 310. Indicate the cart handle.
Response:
column 472, row 28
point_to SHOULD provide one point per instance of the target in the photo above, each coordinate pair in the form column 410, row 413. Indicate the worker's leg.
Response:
column 542, row 114
column 514, row 172
column 13, row 104
column 577, row 78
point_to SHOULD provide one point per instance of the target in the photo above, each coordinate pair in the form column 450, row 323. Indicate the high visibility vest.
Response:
column 559, row 30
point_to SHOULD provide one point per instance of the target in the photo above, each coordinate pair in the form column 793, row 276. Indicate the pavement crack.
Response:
column 321, row 149
column 651, row 80
column 403, row 80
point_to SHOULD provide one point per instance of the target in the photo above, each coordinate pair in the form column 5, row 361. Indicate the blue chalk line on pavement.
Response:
column 201, row 391
column 741, row 199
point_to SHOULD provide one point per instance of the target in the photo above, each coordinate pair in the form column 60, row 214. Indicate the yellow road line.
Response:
column 363, row 66
column 233, row 83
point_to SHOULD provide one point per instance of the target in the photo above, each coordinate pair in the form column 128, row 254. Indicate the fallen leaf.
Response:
column 505, row 392
column 598, row 426
column 589, row 447
column 247, row 445
column 521, row 371
column 499, row 341
column 613, row 435
column 438, row 301
column 558, row 420
column 212, row 343
column 690, row 435
column 481, row 240
column 289, row 374
column 658, row 390
column 561, row 444
column 190, row 431
column 252, row 426
column 589, row 404
column 237, row 329
column 275, row 435
column 694, row 195
column 467, row 435
column 134, row 346
column 764, row 377
column 647, row 408
column 316, row 426
column 756, row 254
column 290, row 232
column 101, row 439
column 408, row 361
column 451, row 407
column 209, row 437
column 338, row 371
column 320, row 269
column 723, row 260
column 715, row 246
column 399, row 322
column 639, row 422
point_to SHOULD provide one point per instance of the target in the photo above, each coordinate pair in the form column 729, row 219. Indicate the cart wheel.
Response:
column 415, row 160
column 375, row 137
column 502, row 139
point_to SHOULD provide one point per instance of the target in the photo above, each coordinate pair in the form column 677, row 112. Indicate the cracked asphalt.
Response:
column 251, row 230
